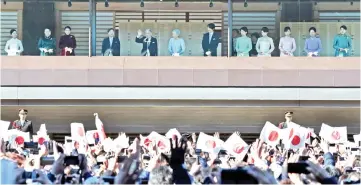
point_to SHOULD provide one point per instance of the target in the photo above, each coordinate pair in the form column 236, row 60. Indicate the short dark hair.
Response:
column 255, row 34
column 244, row 29
column 67, row 27
column 26, row 111
column 236, row 30
column 312, row 28
column 286, row 29
column 110, row 29
column 211, row 26
column 288, row 112
column 265, row 29
column 11, row 31
column 343, row 27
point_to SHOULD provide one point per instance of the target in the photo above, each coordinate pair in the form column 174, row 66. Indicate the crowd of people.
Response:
column 148, row 161
column 242, row 46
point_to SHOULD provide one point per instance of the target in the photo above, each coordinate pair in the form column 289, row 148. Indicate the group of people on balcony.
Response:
column 243, row 46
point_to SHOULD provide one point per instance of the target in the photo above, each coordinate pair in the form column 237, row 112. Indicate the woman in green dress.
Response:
column 47, row 44
column 244, row 43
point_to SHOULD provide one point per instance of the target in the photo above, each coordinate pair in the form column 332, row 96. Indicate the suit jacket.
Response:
column 115, row 47
column 153, row 45
column 28, row 126
column 74, row 152
column 210, row 46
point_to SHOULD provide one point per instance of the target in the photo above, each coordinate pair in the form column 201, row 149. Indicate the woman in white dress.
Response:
column 14, row 47
column 265, row 44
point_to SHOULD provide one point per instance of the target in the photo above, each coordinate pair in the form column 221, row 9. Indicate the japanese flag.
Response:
column 17, row 137
column 334, row 134
column 161, row 142
column 298, row 139
column 4, row 125
column 41, row 139
column 271, row 134
column 209, row 144
column 289, row 131
column 78, row 134
column 173, row 133
column 100, row 127
column 90, row 136
column 122, row 141
column 235, row 145
column 310, row 133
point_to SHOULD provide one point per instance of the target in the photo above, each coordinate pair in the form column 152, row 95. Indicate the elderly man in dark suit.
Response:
column 22, row 124
column 150, row 44
column 210, row 41
column 111, row 44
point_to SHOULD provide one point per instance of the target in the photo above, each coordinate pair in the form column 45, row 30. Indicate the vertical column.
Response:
column 93, row 28
column 230, row 27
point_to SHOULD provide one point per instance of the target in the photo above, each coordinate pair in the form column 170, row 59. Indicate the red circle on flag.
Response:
column 19, row 140
column 161, row 145
column 41, row 140
column 296, row 140
column 273, row 136
column 210, row 144
column 238, row 148
column 336, row 135
column 147, row 142
column 291, row 134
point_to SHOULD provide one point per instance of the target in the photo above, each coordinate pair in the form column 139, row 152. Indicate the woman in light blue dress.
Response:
column 176, row 46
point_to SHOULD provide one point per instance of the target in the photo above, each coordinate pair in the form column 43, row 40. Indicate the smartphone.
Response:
column 31, row 145
column 354, row 149
column 44, row 161
column 108, row 179
column 342, row 158
column 303, row 158
column 198, row 151
column 299, row 168
column 71, row 160
column 146, row 157
column 120, row 159
column 237, row 176
column 91, row 145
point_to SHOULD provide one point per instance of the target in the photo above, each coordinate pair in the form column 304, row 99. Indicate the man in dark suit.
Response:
column 111, row 44
column 210, row 41
column 22, row 124
column 150, row 44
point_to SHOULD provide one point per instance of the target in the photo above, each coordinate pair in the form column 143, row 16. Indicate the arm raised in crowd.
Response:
column 180, row 175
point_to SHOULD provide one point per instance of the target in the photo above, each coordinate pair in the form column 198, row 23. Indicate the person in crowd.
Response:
column 265, row 45
column 111, row 44
column 244, row 43
column 150, row 44
column 235, row 35
column 67, row 43
column 313, row 44
column 75, row 152
column 210, row 41
column 47, row 44
column 22, row 123
column 287, row 43
column 342, row 43
column 254, row 38
column 176, row 45
column 14, row 46
column 288, row 118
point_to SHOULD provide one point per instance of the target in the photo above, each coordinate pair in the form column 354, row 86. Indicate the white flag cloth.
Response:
column 42, row 130
column 108, row 145
column 172, row 133
column 100, row 127
column 271, row 134
column 235, row 145
column 333, row 134
column 4, row 125
column 90, row 136
column 209, row 144
column 122, row 141
column 17, row 137
column 68, row 145
column 298, row 139
column 78, row 134
column 357, row 139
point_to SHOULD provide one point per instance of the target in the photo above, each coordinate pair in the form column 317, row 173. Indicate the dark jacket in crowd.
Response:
column 115, row 46
column 152, row 45
column 47, row 43
column 212, row 45
column 26, row 127
column 67, row 41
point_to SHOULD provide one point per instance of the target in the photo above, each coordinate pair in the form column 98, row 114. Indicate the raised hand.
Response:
column 177, row 152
